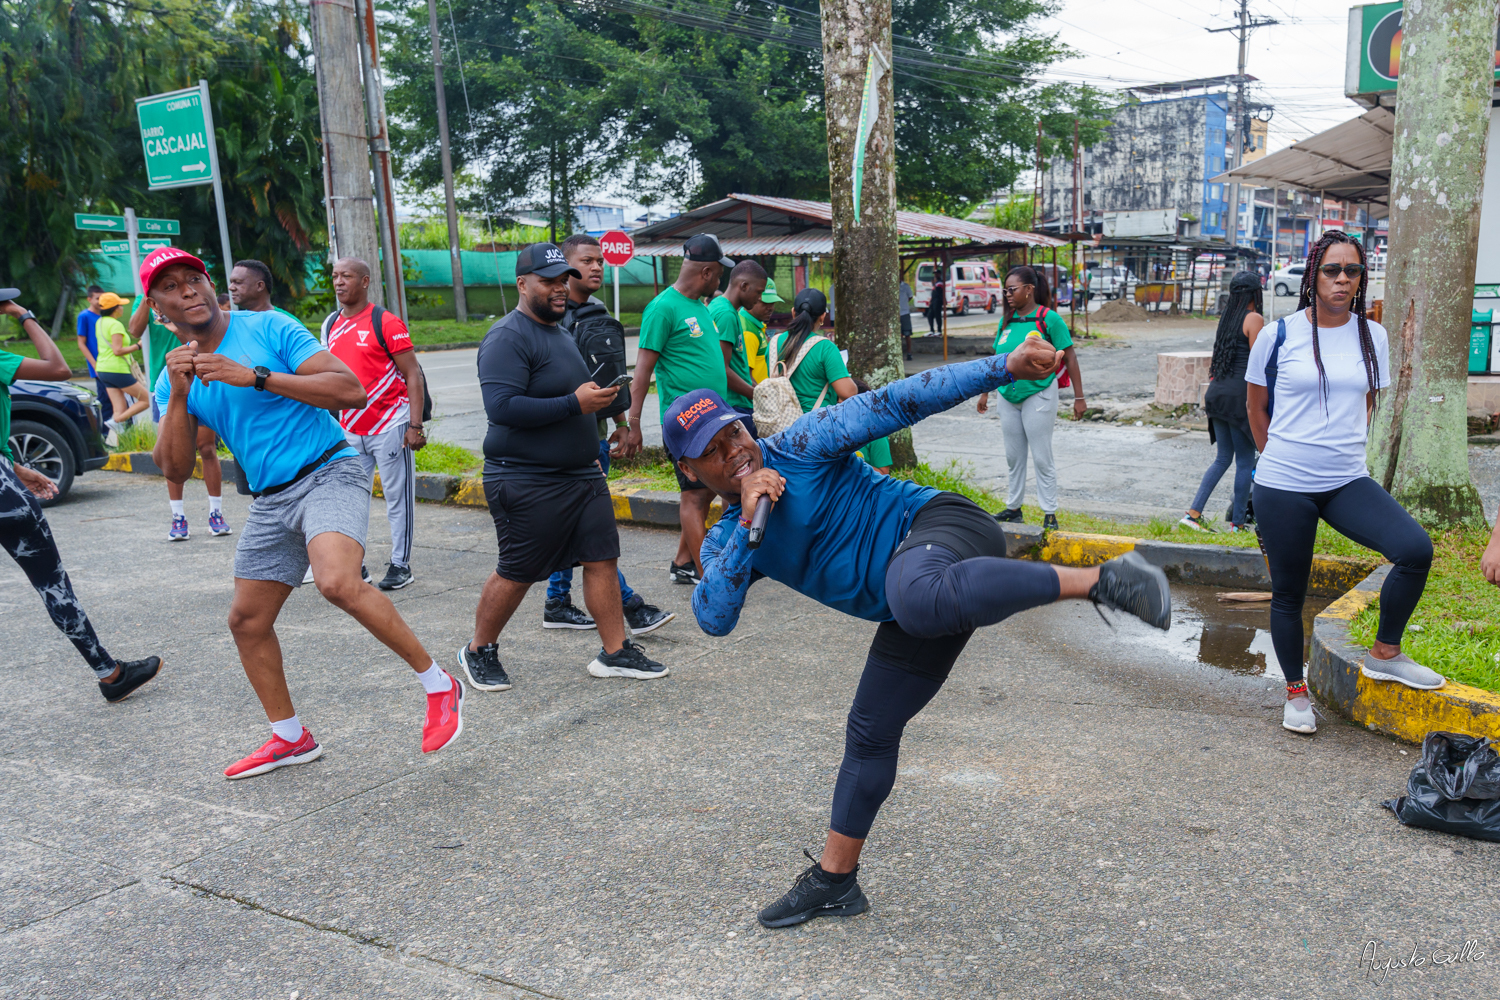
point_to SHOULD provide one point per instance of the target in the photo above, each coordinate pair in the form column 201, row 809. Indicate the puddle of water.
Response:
column 1233, row 637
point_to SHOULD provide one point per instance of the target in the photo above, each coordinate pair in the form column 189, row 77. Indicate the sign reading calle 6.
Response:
column 618, row 247
column 174, row 135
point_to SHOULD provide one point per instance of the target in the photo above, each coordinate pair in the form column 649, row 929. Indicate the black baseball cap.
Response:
column 705, row 249
column 544, row 260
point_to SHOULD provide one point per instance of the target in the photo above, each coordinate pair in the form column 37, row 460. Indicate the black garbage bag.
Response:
column 1455, row 788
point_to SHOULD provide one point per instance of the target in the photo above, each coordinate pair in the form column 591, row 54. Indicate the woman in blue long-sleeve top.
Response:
column 928, row 565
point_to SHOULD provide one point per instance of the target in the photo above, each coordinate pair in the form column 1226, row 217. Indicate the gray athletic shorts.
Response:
column 273, row 542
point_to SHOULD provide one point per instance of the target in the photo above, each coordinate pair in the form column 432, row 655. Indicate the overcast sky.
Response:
column 1299, row 62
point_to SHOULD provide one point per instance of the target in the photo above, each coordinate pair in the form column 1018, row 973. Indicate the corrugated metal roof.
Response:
column 749, row 224
column 1349, row 161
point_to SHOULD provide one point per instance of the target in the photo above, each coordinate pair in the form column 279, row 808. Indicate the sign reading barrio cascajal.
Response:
column 174, row 136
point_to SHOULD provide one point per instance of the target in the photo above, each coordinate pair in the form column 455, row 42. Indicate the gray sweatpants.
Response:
column 1028, row 427
column 387, row 451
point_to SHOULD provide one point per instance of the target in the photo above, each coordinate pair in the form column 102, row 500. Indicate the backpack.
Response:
column 776, row 404
column 1272, row 364
column 601, row 340
column 377, row 320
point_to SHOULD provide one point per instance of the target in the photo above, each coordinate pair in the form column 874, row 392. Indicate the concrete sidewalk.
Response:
column 1080, row 813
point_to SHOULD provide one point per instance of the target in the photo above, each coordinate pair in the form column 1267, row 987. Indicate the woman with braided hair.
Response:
column 1312, row 381
column 1228, row 422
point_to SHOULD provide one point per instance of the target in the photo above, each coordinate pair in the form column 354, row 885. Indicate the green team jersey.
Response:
column 1008, row 338
column 727, row 320
column 682, row 332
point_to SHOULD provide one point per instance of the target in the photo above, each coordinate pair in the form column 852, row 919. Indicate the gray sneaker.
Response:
column 1298, row 716
column 1403, row 670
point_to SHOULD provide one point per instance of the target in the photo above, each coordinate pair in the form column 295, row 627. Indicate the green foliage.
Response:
column 651, row 469
column 447, row 459
column 1456, row 627
column 69, row 140
column 137, row 437
column 432, row 234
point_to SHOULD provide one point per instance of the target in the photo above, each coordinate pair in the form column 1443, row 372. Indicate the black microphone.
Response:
column 758, row 523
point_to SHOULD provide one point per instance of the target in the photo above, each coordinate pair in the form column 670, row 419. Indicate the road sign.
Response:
column 105, row 223
column 175, row 137
column 123, row 246
column 618, row 247
column 161, row 227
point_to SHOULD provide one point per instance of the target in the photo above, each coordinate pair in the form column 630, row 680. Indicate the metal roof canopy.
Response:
column 753, row 225
column 1185, row 244
column 1350, row 162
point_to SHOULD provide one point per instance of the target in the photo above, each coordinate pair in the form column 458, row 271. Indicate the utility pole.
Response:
column 380, row 155
column 460, row 300
column 1418, row 446
column 1241, row 130
column 866, row 256
column 346, row 151
column 1036, row 191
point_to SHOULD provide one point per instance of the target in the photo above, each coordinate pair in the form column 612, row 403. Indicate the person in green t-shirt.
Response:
column 747, row 282
column 821, row 378
column 1028, row 408
column 24, row 532
column 680, row 345
column 753, row 319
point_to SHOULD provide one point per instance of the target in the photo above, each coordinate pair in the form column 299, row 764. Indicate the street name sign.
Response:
column 123, row 246
column 175, row 136
column 103, row 223
column 159, row 227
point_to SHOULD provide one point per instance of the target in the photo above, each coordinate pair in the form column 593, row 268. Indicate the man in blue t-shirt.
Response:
column 264, row 383
column 929, row 566
column 89, row 345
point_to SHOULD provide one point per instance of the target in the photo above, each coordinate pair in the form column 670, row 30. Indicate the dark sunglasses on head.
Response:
column 1352, row 270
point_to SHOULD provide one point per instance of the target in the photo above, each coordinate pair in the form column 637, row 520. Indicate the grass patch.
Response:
column 137, row 437
column 67, row 344
column 1456, row 627
column 650, row 469
column 447, row 459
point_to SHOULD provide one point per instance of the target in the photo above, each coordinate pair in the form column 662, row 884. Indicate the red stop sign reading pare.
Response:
column 618, row 247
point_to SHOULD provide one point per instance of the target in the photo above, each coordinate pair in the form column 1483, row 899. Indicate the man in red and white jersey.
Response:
column 388, row 432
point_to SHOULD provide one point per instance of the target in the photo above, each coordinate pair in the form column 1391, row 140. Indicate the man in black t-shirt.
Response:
column 542, row 479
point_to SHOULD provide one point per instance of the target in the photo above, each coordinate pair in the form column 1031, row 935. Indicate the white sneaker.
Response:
column 1298, row 716
column 1193, row 523
column 1403, row 670
column 112, row 439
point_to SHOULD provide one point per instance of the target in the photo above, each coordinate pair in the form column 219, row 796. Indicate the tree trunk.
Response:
column 1419, row 446
column 346, row 144
column 865, row 259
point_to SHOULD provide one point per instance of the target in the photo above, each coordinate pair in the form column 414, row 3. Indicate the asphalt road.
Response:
column 1080, row 813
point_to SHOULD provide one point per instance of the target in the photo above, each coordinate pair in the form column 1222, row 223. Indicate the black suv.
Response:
column 54, row 429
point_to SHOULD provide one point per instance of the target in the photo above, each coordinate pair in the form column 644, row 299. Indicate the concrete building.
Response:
column 1158, row 154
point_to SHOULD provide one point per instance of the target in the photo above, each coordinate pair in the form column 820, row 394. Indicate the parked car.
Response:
column 972, row 284
column 1288, row 280
column 1108, row 282
column 54, row 429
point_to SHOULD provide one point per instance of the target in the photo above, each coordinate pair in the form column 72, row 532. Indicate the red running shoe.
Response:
column 445, row 716
column 276, row 753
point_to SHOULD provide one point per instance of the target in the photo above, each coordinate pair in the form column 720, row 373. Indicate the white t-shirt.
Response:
column 1312, row 448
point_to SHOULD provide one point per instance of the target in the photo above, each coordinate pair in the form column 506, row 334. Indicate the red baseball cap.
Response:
column 165, row 257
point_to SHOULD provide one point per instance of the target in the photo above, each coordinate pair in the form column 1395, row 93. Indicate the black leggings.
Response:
column 25, row 535
column 1362, row 512
column 938, row 601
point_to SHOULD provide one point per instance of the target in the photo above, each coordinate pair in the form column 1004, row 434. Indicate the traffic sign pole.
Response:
column 617, row 291
column 213, row 165
column 133, row 237
column 617, row 248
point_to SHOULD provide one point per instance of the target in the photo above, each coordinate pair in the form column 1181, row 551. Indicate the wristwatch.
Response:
column 28, row 314
column 261, row 374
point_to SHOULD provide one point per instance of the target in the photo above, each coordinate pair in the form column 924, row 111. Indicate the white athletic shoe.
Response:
column 1298, row 716
column 1403, row 670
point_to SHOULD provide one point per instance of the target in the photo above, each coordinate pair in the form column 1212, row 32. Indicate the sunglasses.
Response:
column 1333, row 270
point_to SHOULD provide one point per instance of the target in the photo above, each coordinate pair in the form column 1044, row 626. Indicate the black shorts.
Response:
column 116, row 380
column 544, row 524
column 906, row 324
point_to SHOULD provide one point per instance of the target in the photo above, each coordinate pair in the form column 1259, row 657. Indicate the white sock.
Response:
column 215, row 504
column 435, row 680
column 177, row 508
column 288, row 729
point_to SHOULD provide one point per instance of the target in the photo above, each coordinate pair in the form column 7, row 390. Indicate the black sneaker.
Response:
column 643, row 617
column 814, row 894
column 1049, row 522
column 560, row 613
column 133, row 673
column 1010, row 515
column 1129, row 583
column 630, row 661
column 396, row 577
column 483, row 668
column 686, row 573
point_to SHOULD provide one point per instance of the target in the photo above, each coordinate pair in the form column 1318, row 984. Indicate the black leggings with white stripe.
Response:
column 25, row 535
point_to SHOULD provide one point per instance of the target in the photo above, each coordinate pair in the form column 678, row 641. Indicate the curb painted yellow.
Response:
column 118, row 462
column 1335, row 573
column 1384, row 706
column 1070, row 548
column 471, row 493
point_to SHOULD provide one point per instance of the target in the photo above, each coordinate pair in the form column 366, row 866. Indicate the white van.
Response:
column 972, row 284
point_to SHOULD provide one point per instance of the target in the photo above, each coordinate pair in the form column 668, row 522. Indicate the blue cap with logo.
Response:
column 544, row 260
column 693, row 419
